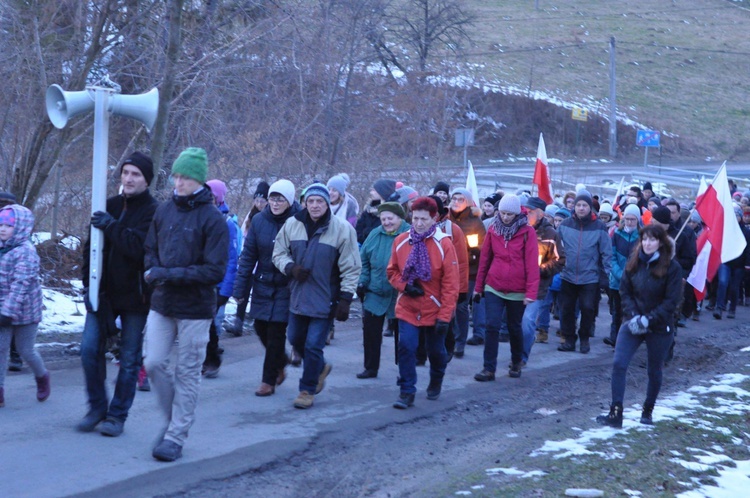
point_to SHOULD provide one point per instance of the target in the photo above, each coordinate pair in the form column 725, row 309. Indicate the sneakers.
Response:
column 613, row 418
column 322, row 378
column 484, row 376
column 515, row 370
column 542, row 336
column 304, row 400
column 265, row 390
column 42, row 387
column 585, row 346
column 433, row 389
column 167, row 451
column 404, row 401
column 646, row 414
column 367, row 374
column 143, row 383
column 111, row 427
column 90, row 421
column 475, row 341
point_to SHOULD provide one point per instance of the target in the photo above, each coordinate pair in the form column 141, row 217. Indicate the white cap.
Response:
column 285, row 188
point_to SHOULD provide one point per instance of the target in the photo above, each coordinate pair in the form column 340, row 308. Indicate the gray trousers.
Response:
column 25, row 339
column 175, row 378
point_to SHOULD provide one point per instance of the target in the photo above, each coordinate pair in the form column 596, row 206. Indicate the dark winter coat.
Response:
column 189, row 238
column 122, row 284
column 743, row 259
column 656, row 298
column 588, row 250
column 551, row 255
column 367, row 222
column 270, row 287
column 332, row 255
column 622, row 246
column 470, row 221
column 685, row 248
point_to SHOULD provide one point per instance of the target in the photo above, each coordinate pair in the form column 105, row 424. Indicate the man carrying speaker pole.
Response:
column 122, row 294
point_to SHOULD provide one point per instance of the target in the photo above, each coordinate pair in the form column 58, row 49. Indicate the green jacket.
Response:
column 380, row 296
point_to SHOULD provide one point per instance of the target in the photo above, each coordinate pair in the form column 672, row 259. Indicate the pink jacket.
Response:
column 511, row 266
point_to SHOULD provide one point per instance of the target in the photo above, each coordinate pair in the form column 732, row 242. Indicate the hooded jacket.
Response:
column 551, row 255
column 20, row 289
column 622, row 245
column 332, row 255
column 380, row 296
column 257, row 272
column 588, row 250
column 189, row 238
column 123, row 285
column 440, row 292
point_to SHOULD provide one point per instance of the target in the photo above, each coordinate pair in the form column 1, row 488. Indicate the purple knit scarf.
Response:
column 508, row 231
column 417, row 265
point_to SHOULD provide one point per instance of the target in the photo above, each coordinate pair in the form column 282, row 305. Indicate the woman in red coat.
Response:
column 508, row 278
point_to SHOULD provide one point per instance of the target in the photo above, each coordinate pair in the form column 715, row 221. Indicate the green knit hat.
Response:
column 192, row 163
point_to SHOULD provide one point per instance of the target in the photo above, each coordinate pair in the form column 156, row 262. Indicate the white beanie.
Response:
column 633, row 210
column 285, row 188
column 607, row 209
column 510, row 204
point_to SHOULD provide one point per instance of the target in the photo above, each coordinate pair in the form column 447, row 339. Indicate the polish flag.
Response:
column 471, row 184
column 717, row 211
column 706, row 265
column 541, row 173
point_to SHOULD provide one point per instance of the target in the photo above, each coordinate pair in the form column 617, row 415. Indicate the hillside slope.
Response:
column 682, row 65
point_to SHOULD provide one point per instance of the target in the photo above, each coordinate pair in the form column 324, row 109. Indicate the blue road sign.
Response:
column 647, row 138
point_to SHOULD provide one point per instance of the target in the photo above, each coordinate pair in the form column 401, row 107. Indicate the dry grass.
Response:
column 682, row 65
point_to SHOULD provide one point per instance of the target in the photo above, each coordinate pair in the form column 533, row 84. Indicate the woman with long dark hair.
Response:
column 650, row 289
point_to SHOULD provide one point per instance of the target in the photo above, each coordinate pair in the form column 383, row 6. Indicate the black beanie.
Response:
column 442, row 187
column 662, row 214
column 647, row 186
column 262, row 190
column 143, row 163
column 441, row 209
column 584, row 195
column 385, row 188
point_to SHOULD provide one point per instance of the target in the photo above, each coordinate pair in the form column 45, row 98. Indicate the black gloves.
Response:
column 477, row 297
column 414, row 290
column 156, row 276
column 462, row 297
column 102, row 220
column 441, row 327
column 5, row 321
column 297, row 272
column 342, row 310
column 361, row 293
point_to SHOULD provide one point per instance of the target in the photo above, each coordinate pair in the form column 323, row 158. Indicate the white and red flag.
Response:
column 541, row 173
column 722, row 239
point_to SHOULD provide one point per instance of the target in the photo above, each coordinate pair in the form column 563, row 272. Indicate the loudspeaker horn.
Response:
column 62, row 105
column 143, row 107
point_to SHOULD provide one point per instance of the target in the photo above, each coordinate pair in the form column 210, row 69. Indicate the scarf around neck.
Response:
column 508, row 231
column 417, row 265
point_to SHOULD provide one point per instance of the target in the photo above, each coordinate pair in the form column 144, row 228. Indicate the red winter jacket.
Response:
column 512, row 266
column 440, row 293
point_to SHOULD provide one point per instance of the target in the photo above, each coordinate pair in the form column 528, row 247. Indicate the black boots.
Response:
column 646, row 414
column 613, row 418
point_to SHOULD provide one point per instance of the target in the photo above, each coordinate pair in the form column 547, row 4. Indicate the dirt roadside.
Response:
column 493, row 425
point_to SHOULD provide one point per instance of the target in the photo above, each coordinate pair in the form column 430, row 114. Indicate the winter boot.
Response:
column 515, row 370
column 42, row 387
column 585, row 346
column 542, row 336
column 646, row 414
column 614, row 418
column 434, row 388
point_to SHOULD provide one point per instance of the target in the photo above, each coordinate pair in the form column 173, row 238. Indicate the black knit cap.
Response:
column 442, row 187
column 535, row 203
column 262, row 190
column 441, row 208
column 385, row 188
column 662, row 214
column 143, row 163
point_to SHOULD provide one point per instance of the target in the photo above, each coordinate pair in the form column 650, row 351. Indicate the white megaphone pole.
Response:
column 98, row 188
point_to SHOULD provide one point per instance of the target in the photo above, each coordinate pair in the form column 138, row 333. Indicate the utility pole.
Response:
column 612, row 100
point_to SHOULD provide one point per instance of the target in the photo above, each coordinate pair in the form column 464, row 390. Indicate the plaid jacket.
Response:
column 20, row 288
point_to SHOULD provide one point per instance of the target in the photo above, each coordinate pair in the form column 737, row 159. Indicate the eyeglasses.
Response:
column 276, row 200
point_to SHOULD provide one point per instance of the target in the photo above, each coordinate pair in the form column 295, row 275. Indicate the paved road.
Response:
column 42, row 455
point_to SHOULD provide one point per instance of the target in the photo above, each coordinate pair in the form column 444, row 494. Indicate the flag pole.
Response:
column 684, row 225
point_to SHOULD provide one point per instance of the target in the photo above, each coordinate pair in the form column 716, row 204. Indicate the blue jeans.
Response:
column 514, row 312
column 408, row 339
column 93, row 344
column 308, row 337
column 530, row 317
column 657, row 346
column 729, row 287
column 542, row 322
column 478, row 316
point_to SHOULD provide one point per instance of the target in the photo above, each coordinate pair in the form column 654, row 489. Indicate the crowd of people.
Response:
column 426, row 268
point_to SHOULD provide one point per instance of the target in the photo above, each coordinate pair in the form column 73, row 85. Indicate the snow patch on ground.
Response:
column 62, row 314
column 512, row 471
column 545, row 411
